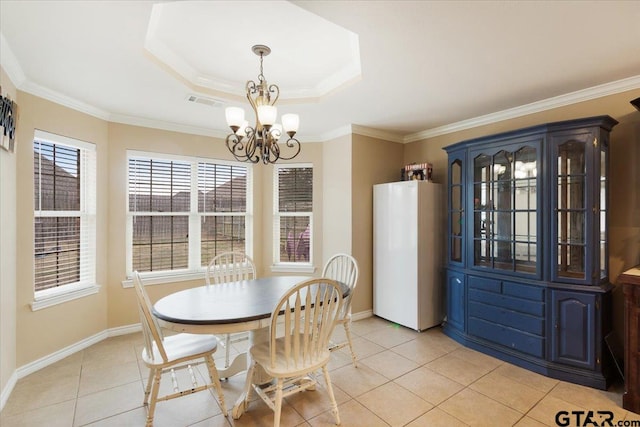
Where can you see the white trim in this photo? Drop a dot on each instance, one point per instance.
(8, 388)
(56, 356)
(62, 294)
(165, 277)
(534, 107)
(375, 133)
(169, 126)
(10, 63)
(345, 130)
(124, 330)
(54, 138)
(361, 315)
(64, 100)
(293, 268)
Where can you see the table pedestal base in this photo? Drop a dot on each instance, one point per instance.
(259, 376)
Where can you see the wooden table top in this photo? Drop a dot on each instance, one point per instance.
(226, 303)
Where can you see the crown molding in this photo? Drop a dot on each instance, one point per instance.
(10, 64)
(376, 133)
(169, 126)
(594, 92)
(64, 100)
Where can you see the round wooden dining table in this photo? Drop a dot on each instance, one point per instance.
(223, 308)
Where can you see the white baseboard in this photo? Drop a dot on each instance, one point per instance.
(6, 391)
(361, 315)
(52, 358)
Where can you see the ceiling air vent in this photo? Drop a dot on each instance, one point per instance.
(198, 99)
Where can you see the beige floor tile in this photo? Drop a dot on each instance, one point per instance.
(420, 351)
(135, 417)
(529, 378)
(103, 404)
(312, 403)
(547, 409)
(95, 379)
(356, 381)
(391, 336)
(436, 338)
(109, 355)
(632, 416)
(390, 364)
(339, 359)
(352, 414)
(30, 394)
(457, 369)
(186, 410)
(589, 398)
(475, 357)
(400, 405)
(370, 324)
(508, 392)
(436, 418)
(529, 422)
(217, 421)
(57, 415)
(477, 409)
(363, 348)
(260, 415)
(429, 385)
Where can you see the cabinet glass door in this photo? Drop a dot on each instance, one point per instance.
(571, 210)
(456, 212)
(604, 250)
(505, 220)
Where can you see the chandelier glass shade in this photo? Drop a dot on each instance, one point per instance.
(261, 141)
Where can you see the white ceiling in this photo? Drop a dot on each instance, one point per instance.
(404, 68)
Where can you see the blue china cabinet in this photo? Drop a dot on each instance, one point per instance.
(527, 267)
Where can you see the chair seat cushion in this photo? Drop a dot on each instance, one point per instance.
(182, 346)
(283, 367)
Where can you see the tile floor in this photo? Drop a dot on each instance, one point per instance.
(404, 378)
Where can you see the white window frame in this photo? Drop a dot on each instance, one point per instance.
(280, 266)
(194, 271)
(88, 189)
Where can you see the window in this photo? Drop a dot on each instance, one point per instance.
(184, 211)
(293, 215)
(64, 214)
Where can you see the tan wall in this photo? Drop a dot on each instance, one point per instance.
(7, 250)
(42, 332)
(374, 161)
(337, 192)
(624, 223)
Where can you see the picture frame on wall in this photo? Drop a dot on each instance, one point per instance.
(8, 122)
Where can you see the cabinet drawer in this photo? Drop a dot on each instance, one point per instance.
(533, 308)
(507, 317)
(489, 285)
(533, 293)
(508, 337)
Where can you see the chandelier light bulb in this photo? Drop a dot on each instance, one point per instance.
(235, 117)
(290, 123)
(267, 115)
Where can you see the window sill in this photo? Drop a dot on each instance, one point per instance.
(159, 279)
(55, 296)
(293, 268)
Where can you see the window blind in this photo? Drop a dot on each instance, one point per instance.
(294, 192)
(65, 211)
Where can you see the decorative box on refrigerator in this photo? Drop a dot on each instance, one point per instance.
(407, 253)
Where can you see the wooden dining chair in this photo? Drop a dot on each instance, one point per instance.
(230, 267)
(344, 269)
(301, 326)
(175, 352)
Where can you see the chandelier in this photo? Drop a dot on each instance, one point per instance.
(253, 144)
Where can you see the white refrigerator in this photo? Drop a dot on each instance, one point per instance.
(408, 253)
